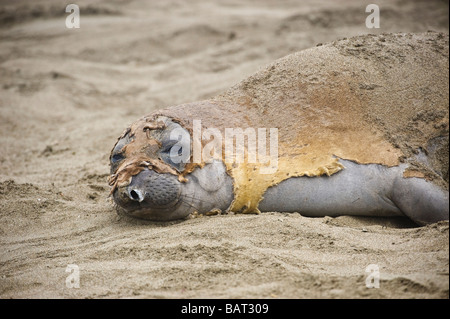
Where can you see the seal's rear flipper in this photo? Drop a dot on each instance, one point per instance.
(420, 200)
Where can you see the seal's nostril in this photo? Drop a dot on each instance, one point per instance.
(136, 195)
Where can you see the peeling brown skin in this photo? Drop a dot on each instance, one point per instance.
(141, 153)
(356, 99)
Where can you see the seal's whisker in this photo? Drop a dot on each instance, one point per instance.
(200, 200)
(189, 204)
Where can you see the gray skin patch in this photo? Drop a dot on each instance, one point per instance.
(359, 190)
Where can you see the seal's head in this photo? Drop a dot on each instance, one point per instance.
(146, 175)
(149, 167)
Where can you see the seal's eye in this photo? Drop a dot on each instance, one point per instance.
(175, 148)
(172, 154)
(168, 146)
(118, 152)
(117, 158)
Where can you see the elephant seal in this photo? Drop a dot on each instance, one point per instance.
(361, 129)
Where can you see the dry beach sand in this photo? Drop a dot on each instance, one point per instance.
(67, 94)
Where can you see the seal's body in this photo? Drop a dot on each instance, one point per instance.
(362, 129)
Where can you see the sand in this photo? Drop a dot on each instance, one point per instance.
(67, 94)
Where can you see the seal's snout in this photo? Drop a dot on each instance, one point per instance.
(153, 189)
(150, 195)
